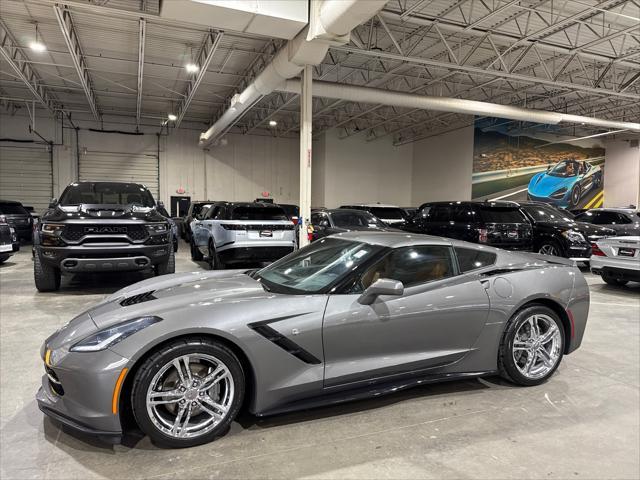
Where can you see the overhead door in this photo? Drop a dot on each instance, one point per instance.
(26, 175)
(119, 167)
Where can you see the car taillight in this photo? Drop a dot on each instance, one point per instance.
(482, 235)
(294, 220)
(233, 226)
(595, 250)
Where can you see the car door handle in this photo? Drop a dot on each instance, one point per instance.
(485, 284)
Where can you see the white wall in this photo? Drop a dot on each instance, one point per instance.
(357, 171)
(442, 167)
(621, 174)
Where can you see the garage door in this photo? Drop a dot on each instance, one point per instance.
(26, 175)
(117, 167)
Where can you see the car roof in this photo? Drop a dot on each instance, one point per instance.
(10, 202)
(75, 184)
(614, 209)
(343, 210)
(486, 203)
(371, 205)
(251, 204)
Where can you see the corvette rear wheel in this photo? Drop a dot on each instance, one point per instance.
(188, 393)
(532, 346)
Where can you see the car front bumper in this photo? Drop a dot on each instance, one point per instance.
(103, 257)
(557, 202)
(84, 399)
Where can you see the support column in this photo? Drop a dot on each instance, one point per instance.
(305, 153)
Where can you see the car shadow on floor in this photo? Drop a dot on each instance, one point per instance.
(100, 283)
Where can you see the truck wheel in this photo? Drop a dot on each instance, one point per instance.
(196, 254)
(47, 278)
(167, 267)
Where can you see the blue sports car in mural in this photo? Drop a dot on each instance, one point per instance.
(565, 184)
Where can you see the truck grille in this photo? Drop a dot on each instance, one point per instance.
(75, 232)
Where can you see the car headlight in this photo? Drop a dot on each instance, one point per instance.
(108, 337)
(52, 228)
(573, 236)
(559, 193)
(157, 227)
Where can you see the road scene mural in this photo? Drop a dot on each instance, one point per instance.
(521, 167)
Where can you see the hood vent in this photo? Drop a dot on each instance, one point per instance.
(140, 298)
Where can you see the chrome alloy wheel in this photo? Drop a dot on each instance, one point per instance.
(548, 249)
(537, 346)
(190, 395)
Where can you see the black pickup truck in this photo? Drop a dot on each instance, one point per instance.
(98, 227)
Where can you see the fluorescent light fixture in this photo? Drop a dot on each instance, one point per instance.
(272, 123)
(172, 117)
(37, 46)
(192, 67)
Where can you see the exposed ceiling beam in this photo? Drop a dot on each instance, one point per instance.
(207, 52)
(71, 39)
(142, 32)
(13, 55)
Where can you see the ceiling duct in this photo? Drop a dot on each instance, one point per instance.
(330, 24)
(352, 93)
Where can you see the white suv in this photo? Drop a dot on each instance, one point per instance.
(242, 232)
(616, 259)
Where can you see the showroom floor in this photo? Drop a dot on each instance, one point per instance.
(584, 423)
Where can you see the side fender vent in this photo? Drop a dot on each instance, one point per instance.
(142, 297)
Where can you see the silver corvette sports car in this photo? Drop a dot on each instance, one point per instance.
(349, 316)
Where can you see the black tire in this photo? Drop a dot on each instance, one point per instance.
(506, 363)
(214, 260)
(547, 246)
(574, 198)
(168, 266)
(155, 362)
(616, 282)
(47, 278)
(196, 254)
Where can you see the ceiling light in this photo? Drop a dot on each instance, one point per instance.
(37, 46)
(272, 123)
(172, 117)
(192, 67)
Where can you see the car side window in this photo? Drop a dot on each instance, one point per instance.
(441, 213)
(471, 259)
(411, 266)
(213, 212)
(424, 212)
(461, 214)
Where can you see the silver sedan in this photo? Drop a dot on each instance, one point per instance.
(347, 317)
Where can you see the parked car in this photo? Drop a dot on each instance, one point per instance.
(236, 232)
(174, 226)
(565, 184)
(195, 208)
(499, 224)
(292, 211)
(625, 221)
(556, 233)
(17, 217)
(330, 222)
(617, 259)
(101, 226)
(9, 243)
(389, 214)
(347, 317)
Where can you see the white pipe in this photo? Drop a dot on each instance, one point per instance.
(336, 19)
(353, 93)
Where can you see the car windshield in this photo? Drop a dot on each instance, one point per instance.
(106, 193)
(258, 213)
(566, 168)
(350, 219)
(315, 268)
(388, 213)
(545, 213)
(12, 209)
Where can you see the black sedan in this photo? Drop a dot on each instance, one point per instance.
(328, 222)
(555, 232)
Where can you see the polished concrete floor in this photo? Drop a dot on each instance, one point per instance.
(583, 423)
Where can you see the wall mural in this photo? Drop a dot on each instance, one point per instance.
(520, 167)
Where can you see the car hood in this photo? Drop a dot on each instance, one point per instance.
(591, 229)
(543, 184)
(165, 295)
(102, 212)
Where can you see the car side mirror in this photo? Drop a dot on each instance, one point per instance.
(383, 286)
(53, 203)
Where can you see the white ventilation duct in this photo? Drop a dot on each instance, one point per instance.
(352, 93)
(331, 22)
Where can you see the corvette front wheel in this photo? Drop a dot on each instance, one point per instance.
(575, 196)
(188, 393)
